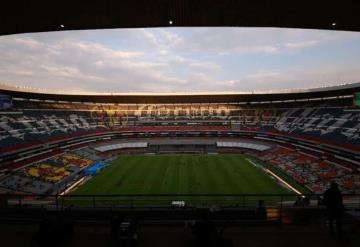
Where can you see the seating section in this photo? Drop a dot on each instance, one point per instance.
(246, 145)
(49, 176)
(312, 171)
(47, 172)
(32, 121)
(70, 160)
(105, 148)
(329, 123)
(17, 127)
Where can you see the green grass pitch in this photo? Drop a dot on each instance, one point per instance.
(181, 174)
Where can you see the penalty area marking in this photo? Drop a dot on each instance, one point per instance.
(276, 177)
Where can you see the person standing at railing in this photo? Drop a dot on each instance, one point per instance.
(334, 204)
(260, 210)
(299, 202)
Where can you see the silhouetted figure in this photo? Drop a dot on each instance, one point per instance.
(45, 232)
(204, 230)
(114, 226)
(124, 232)
(299, 202)
(334, 203)
(306, 201)
(260, 210)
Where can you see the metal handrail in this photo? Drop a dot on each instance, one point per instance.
(154, 199)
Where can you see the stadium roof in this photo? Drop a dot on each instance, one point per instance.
(316, 93)
(20, 16)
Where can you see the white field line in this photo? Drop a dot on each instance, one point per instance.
(277, 177)
(72, 186)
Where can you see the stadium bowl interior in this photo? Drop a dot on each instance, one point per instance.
(178, 169)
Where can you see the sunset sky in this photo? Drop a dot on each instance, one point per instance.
(180, 59)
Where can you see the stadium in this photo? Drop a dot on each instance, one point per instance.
(50, 145)
(284, 143)
(175, 168)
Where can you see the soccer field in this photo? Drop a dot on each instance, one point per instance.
(181, 174)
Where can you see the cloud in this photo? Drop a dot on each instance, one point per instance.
(301, 78)
(177, 59)
(79, 64)
(256, 40)
(205, 66)
(302, 44)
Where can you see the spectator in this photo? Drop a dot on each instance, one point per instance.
(334, 204)
(260, 210)
(299, 202)
(306, 201)
(114, 226)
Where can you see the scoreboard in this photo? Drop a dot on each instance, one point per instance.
(357, 99)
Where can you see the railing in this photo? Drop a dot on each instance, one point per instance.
(351, 201)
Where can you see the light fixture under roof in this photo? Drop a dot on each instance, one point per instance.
(62, 25)
(333, 24)
(170, 22)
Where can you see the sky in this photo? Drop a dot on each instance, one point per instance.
(173, 60)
